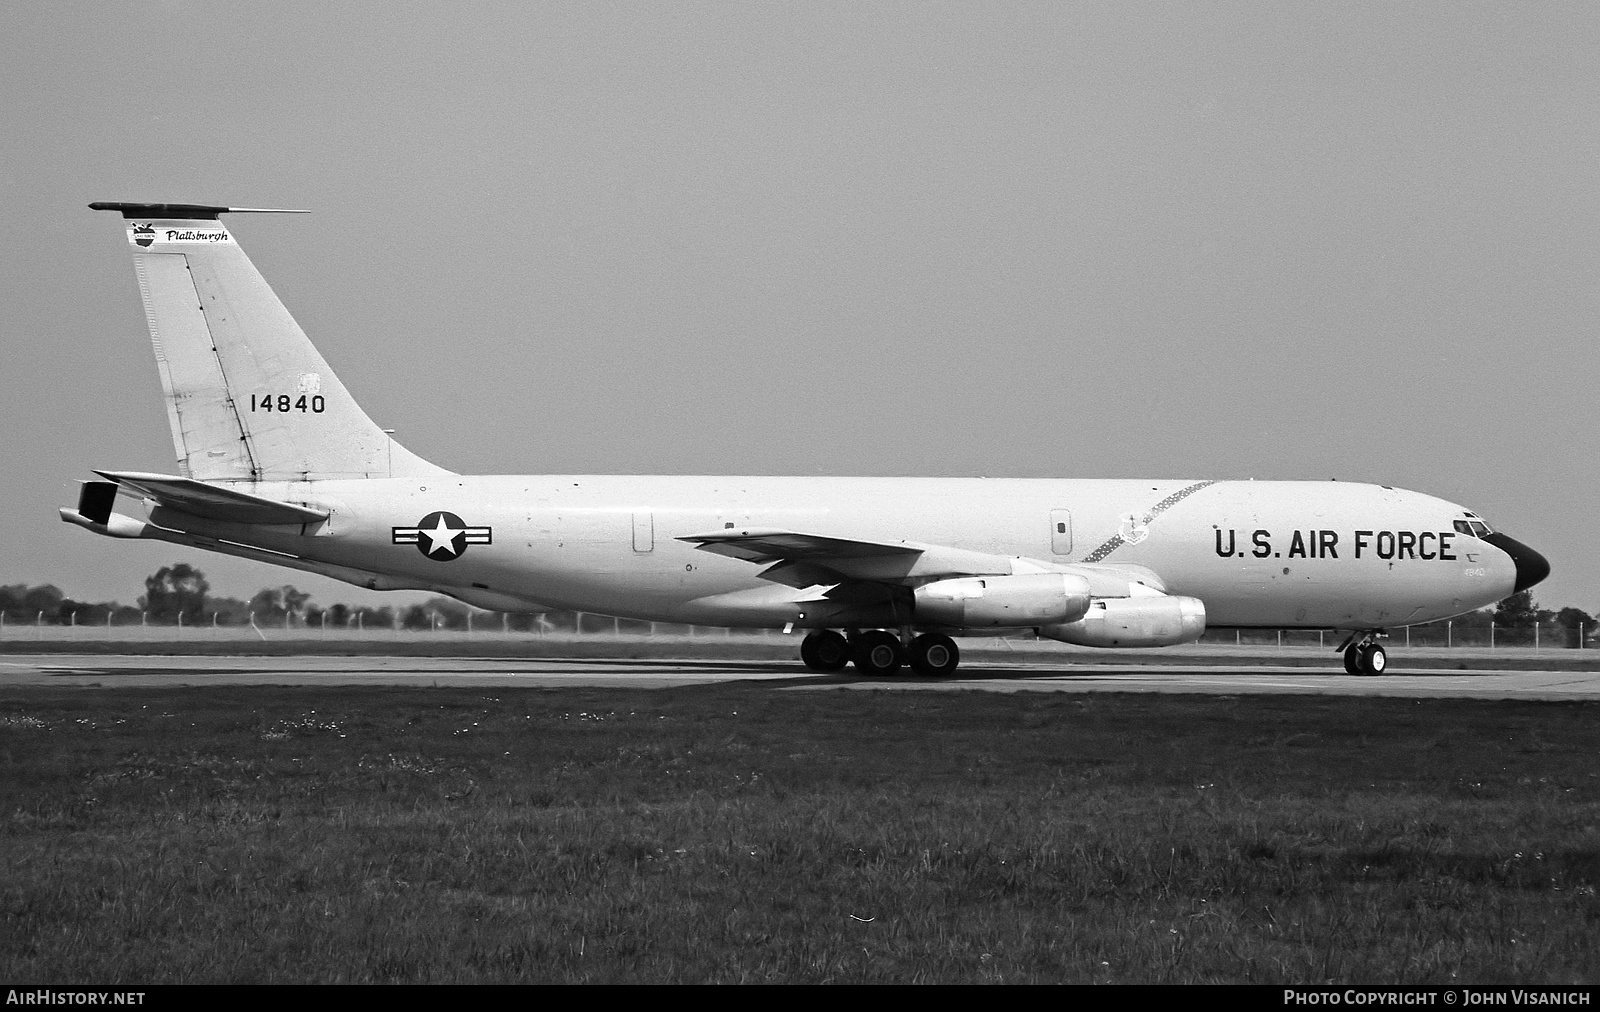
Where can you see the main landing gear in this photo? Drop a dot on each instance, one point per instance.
(825, 650)
(1364, 655)
(879, 653)
(934, 655)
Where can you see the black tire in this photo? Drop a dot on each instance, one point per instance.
(1352, 660)
(1374, 659)
(934, 655)
(825, 650)
(877, 653)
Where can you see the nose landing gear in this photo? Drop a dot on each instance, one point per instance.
(1364, 655)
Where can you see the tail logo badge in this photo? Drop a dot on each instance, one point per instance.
(442, 537)
(144, 234)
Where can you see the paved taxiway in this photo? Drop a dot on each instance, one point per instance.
(1021, 675)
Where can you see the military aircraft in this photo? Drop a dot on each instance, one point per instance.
(277, 463)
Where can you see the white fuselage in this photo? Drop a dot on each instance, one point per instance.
(1257, 553)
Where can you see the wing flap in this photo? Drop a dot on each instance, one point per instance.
(197, 498)
(801, 575)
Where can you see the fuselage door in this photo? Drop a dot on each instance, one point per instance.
(644, 532)
(1061, 532)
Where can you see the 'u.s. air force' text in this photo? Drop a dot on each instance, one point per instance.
(1430, 545)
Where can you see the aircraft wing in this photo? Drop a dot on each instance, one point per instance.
(200, 499)
(803, 560)
(775, 546)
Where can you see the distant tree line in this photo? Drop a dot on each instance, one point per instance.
(179, 595)
(1511, 623)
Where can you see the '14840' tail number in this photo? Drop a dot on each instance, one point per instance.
(284, 402)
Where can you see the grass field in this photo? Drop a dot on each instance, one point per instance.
(743, 833)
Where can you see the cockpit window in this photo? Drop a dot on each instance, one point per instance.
(1473, 527)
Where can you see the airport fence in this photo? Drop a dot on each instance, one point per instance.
(588, 627)
(483, 626)
(1543, 635)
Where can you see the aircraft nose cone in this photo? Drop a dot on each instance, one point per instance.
(1531, 566)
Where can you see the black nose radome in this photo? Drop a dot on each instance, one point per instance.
(1531, 566)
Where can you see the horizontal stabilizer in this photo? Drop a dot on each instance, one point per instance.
(213, 502)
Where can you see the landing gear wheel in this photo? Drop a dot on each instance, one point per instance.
(1374, 659)
(1352, 659)
(934, 655)
(825, 651)
(877, 653)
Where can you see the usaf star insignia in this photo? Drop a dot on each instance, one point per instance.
(442, 536)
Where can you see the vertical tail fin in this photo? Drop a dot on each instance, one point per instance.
(248, 396)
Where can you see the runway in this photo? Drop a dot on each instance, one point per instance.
(982, 675)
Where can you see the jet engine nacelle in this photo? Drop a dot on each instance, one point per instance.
(1027, 599)
(1134, 622)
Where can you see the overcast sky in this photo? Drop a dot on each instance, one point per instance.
(1079, 240)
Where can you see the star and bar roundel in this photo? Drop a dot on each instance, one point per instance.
(442, 536)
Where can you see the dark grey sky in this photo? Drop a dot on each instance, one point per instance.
(1257, 240)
